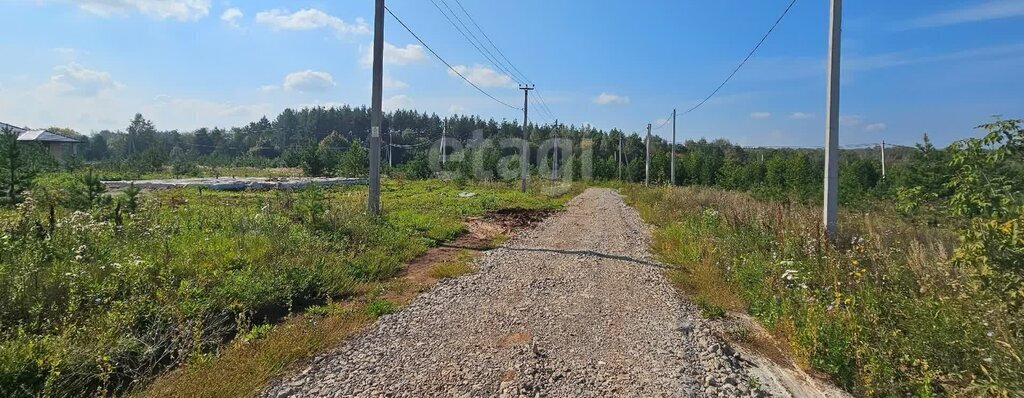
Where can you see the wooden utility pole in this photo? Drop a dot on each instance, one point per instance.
(377, 116)
(673, 162)
(647, 162)
(524, 162)
(831, 205)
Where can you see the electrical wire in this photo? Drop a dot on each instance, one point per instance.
(466, 35)
(521, 75)
(665, 122)
(436, 55)
(544, 106)
(751, 54)
(507, 67)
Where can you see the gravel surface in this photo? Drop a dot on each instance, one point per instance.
(572, 308)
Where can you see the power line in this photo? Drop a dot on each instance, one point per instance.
(490, 55)
(663, 123)
(751, 54)
(446, 62)
(521, 75)
(544, 106)
(466, 35)
(542, 116)
(507, 67)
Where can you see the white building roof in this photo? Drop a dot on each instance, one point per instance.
(44, 136)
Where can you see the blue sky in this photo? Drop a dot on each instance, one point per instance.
(911, 66)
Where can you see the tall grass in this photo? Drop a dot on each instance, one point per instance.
(883, 313)
(97, 302)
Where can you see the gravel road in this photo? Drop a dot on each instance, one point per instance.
(572, 308)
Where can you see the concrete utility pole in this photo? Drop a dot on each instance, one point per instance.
(554, 169)
(391, 146)
(830, 211)
(883, 159)
(620, 158)
(524, 162)
(444, 135)
(376, 117)
(673, 183)
(647, 162)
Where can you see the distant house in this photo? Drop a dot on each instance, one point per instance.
(17, 130)
(58, 145)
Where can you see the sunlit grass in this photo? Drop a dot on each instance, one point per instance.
(107, 299)
(882, 312)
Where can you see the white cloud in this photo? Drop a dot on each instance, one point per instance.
(393, 84)
(608, 99)
(851, 120)
(977, 12)
(401, 101)
(482, 76)
(75, 80)
(455, 109)
(309, 19)
(801, 116)
(394, 55)
(873, 127)
(760, 115)
(269, 88)
(182, 10)
(231, 16)
(308, 81)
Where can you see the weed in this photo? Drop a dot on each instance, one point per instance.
(380, 307)
(710, 310)
(753, 382)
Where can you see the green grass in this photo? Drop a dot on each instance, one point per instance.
(380, 307)
(883, 312)
(107, 300)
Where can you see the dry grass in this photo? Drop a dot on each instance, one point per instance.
(451, 269)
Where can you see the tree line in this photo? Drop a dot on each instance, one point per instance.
(331, 141)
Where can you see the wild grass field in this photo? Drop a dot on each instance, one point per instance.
(885, 312)
(100, 294)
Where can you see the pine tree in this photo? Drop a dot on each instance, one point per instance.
(15, 173)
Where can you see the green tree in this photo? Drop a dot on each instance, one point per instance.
(986, 187)
(355, 162)
(15, 172)
(313, 161)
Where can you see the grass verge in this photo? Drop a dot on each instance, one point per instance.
(99, 298)
(882, 313)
